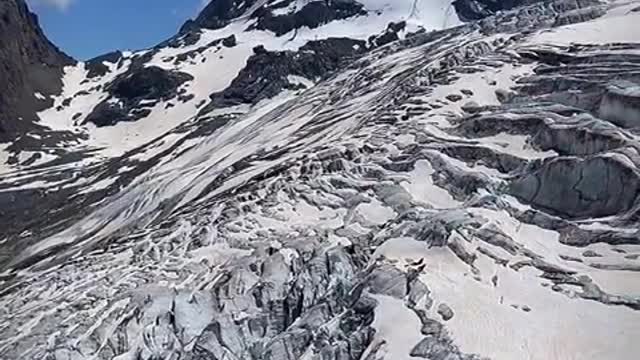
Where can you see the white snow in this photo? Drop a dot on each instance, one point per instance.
(485, 322)
(4, 157)
(405, 139)
(478, 82)
(430, 14)
(619, 26)
(375, 213)
(517, 145)
(99, 185)
(72, 84)
(294, 79)
(396, 325)
(557, 327)
(298, 215)
(335, 240)
(422, 188)
(216, 67)
(217, 253)
(158, 146)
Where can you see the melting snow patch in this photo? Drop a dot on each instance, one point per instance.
(217, 253)
(516, 145)
(422, 188)
(396, 325)
(299, 80)
(375, 213)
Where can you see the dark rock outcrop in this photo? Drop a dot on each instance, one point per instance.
(471, 10)
(218, 14)
(30, 64)
(96, 66)
(130, 89)
(311, 15)
(266, 72)
(389, 35)
(148, 83)
(228, 42)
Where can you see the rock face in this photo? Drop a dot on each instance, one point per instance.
(30, 65)
(131, 92)
(96, 66)
(390, 34)
(311, 15)
(469, 10)
(217, 14)
(279, 17)
(267, 73)
(148, 83)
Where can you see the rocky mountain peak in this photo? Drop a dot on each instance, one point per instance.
(31, 68)
(218, 13)
(279, 16)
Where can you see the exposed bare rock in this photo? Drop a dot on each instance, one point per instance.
(30, 65)
(266, 73)
(130, 91)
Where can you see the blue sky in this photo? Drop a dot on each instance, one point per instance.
(87, 28)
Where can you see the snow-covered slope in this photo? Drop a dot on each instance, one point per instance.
(213, 66)
(465, 193)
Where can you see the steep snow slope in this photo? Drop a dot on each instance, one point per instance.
(468, 193)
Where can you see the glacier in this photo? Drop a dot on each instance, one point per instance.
(394, 184)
